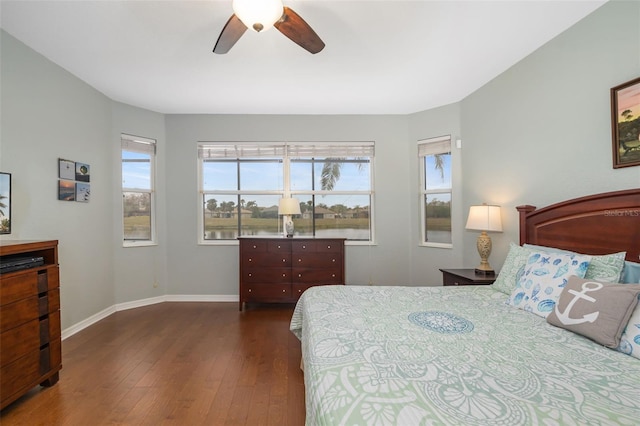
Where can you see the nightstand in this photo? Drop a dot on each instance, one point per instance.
(465, 277)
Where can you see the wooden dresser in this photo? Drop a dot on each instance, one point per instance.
(276, 270)
(29, 320)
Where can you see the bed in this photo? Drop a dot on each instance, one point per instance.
(397, 355)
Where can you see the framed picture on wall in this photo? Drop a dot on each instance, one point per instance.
(5, 203)
(66, 190)
(66, 169)
(82, 172)
(83, 191)
(625, 124)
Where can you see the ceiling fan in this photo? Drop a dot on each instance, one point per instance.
(260, 15)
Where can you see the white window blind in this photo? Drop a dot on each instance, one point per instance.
(138, 144)
(324, 150)
(434, 146)
(297, 150)
(214, 150)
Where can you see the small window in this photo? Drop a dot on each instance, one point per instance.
(138, 212)
(435, 191)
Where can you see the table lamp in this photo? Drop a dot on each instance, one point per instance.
(485, 219)
(286, 208)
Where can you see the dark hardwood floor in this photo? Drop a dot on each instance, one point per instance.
(175, 363)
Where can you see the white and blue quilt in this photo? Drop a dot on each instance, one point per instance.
(452, 356)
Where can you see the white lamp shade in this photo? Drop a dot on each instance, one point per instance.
(258, 15)
(484, 218)
(289, 206)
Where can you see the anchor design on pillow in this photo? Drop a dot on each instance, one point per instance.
(586, 288)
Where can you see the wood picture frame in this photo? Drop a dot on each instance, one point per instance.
(5, 203)
(625, 124)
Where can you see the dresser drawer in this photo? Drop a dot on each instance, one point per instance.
(316, 246)
(16, 286)
(266, 259)
(317, 260)
(266, 275)
(17, 313)
(267, 292)
(317, 276)
(21, 374)
(19, 341)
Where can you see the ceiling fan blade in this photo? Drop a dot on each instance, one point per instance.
(298, 31)
(231, 33)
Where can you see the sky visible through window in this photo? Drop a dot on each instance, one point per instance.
(136, 170)
(434, 178)
(268, 176)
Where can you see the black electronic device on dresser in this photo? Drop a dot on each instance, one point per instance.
(278, 270)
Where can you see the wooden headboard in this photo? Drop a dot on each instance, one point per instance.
(596, 224)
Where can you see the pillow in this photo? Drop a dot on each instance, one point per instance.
(606, 268)
(511, 269)
(599, 311)
(631, 273)
(630, 339)
(543, 279)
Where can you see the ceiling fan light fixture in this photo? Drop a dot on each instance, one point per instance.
(258, 15)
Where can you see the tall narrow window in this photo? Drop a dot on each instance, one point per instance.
(241, 184)
(138, 169)
(435, 191)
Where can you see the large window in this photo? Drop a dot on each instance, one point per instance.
(138, 166)
(435, 191)
(241, 184)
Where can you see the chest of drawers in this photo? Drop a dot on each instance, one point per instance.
(29, 321)
(278, 270)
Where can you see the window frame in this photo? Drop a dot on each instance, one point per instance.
(286, 153)
(133, 143)
(442, 145)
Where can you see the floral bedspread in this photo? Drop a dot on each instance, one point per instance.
(452, 356)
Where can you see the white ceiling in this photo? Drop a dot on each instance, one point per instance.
(381, 57)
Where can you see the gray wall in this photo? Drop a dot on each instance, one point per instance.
(537, 134)
(213, 270)
(540, 133)
(47, 114)
(139, 272)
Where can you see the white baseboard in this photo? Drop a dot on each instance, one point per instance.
(70, 331)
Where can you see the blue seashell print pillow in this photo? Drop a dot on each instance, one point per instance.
(630, 339)
(545, 275)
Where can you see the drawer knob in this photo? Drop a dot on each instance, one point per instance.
(299, 260)
(249, 290)
(278, 246)
(299, 275)
(250, 275)
(299, 291)
(333, 260)
(333, 275)
(328, 247)
(284, 275)
(250, 259)
(304, 247)
(284, 260)
(284, 291)
(255, 247)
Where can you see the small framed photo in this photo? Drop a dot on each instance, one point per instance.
(66, 190)
(83, 191)
(82, 172)
(67, 169)
(5, 203)
(625, 124)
